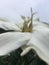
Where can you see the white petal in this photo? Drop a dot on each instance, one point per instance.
(12, 40)
(9, 26)
(26, 50)
(40, 43)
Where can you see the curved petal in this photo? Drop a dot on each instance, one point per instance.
(9, 26)
(40, 43)
(12, 40)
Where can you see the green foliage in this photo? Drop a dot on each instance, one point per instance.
(14, 58)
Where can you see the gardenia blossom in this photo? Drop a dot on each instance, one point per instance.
(37, 40)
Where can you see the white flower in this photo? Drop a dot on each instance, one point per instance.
(37, 40)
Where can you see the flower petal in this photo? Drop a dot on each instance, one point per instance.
(12, 40)
(9, 26)
(40, 43)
